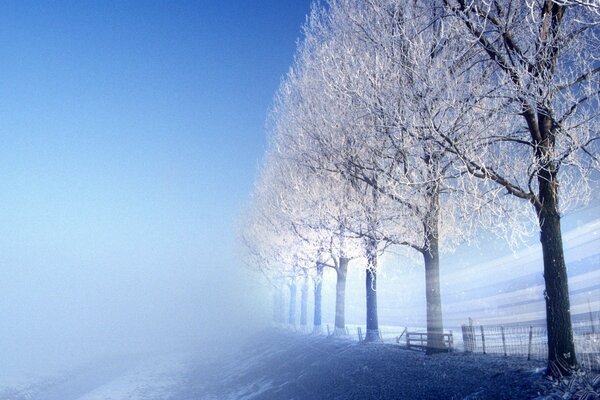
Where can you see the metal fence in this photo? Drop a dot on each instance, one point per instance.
(530, 342)
(510, 340)
(587, 345)
(527, 341)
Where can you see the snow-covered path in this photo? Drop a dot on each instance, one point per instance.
(81, 382)
(150, 378)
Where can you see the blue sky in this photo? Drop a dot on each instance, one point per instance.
(130, 134)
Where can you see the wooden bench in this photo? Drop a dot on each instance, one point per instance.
(418, 341)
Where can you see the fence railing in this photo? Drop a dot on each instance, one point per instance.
(420, 340)
(525, 341)
(530, 342)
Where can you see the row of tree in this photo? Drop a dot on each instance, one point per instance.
(419, 124)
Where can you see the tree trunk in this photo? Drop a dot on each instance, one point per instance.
(292, 311)
(431, 258)
(317, 310)
(281, 294)
(561, 348)
(275, 307)
(372, 334)
(435, 325)
(340, 297)
(304, 302)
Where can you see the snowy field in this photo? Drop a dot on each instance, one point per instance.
(284, 365)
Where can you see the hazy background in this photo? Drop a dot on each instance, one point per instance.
(129, 138)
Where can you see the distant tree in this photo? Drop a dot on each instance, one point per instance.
(271, 243)
(318, 201)
(318, 303)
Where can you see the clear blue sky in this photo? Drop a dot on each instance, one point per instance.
(130, 134)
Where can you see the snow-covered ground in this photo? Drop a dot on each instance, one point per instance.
(26, 386)
(278, 364)
(147, 378)
(284, 365)
(156, 378)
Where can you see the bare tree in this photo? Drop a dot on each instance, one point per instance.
(541, 60)
(311, 132)
(272, 244)
(367, 51)
(319, 218)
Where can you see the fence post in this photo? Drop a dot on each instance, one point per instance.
(451, 342)
(529, 347)
(465, 337)
(407, 340)
(347, 331)
(360, 337)
(328, 332)
(469, 336)
(398, 337)
(482, 339)
(503, 340)
(591, 317)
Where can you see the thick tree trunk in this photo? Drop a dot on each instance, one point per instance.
(340, 297)
(372, 334)
(304, 302)
(435, 325)
(317, 310)
(431, 258)
(561, 348)
(292, 310)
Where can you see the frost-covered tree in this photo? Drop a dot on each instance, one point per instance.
(540, 111)
(272, 242)
(317, 206)
(410, 122)
(307, 126)
(377, 67)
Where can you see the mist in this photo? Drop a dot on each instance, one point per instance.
(67, 312)
(130, 137)
(91, 269)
